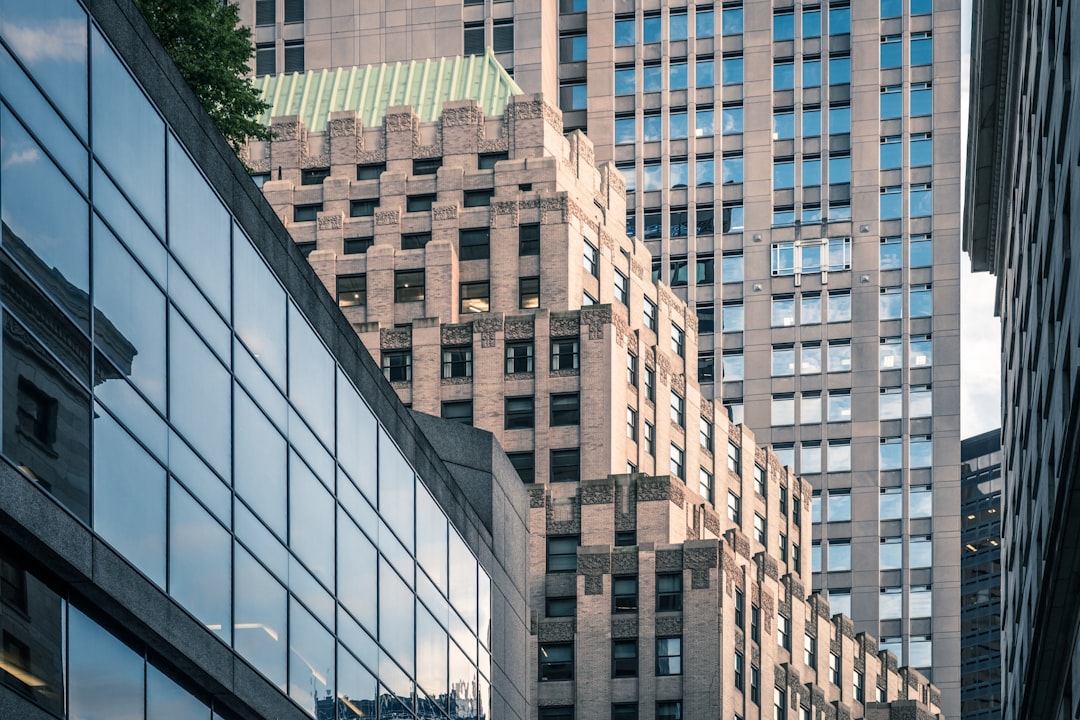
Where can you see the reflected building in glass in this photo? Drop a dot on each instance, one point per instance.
(212, 505)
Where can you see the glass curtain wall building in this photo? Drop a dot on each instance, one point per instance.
(981, 614)
(194, 444)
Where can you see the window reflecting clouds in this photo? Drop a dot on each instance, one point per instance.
(259, 627)
(200, 563)
(105, 676)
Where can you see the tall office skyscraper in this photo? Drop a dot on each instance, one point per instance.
(793, 168)
(980, 507)
(1023, 191)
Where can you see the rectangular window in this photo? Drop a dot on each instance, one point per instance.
(502, 35)
(475, 297)
(678, 406)
(351, 290)
(631, 369)
(566, 465)
(370, 171)
(294, 56)
(426, 166)
(556, 661)
(669, 656)
(648, 436)
(755, 684)
(565, 409)
(419, 203)
(669, 710)
(519, 357)
(529, 292)
(528, 240)
(474, 244)
(834, 668)
(415, 241)
(810, 651)
(314, 176)
(357, 245)
(678, 462)
(783, 632)
(734, 458)
(650, 384)
(397, 365)
(592, 260)
(624, 658)
(477, 198)
(734, 510)
(562, 554)
(740, 670)
(624, 711)
(622, 288)
(564, 353)
(624, 594)
(486, 161)
(631, 423)
(525, 464)
(306, 213)
(408, 285)
(560, 607)
(760, 532)
(519, 413)
(459, 411)
(457, 362)
(294, 11)
(649, 314)
(265, 12)
(669, 592)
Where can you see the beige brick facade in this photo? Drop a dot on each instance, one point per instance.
(737, 522)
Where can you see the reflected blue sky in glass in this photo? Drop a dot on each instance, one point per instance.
(105, 677)
(129, 497)
(259, 626)
(165, 700)
(41, 238)
(50, 39)
(200, 564)
(129, 136)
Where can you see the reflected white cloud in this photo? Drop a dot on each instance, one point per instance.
(63, 40)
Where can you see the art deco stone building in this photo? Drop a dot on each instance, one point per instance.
(662, 535)
(1023, 193)
(793, 169)
(981, 615)
(212, 505)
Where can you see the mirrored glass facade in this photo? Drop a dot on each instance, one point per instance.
(164, 387)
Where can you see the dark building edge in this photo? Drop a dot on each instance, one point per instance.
(36, 530)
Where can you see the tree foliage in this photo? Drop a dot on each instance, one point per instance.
(212, 50)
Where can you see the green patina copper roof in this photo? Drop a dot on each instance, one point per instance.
(371, 89)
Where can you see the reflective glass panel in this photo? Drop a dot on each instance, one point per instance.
(129, 498)
(261, 462)
(199, 227)
(199, 394)
(431, 654)
(259, 304)
(50, 39)
(356, 584)
(129, 136)
(311, 377)
(200, 564)
(165, 700)
(311, 659)
(53, 247)
(259, 626)
(105, 677)
(396, 482)
(311, 521)
(395, 616)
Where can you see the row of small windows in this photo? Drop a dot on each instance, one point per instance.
(920, 554)
(457, 362)
(811, 256)
(665, 710)
(266, 11)
(838, 169)
(678, 173)
(678, 74)
(556, 661)
(838, 72)
(654, 129)
(410, 286)
(837, 504)
(838, 116)
(679, 222)
(920, 201)
(839, 23)
(678, 26)
(835, 406)
(473, 243)
(920, 50)
(502, 37)
(835, 454)
(837, 357)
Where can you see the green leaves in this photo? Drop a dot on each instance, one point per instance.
(212, 50)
